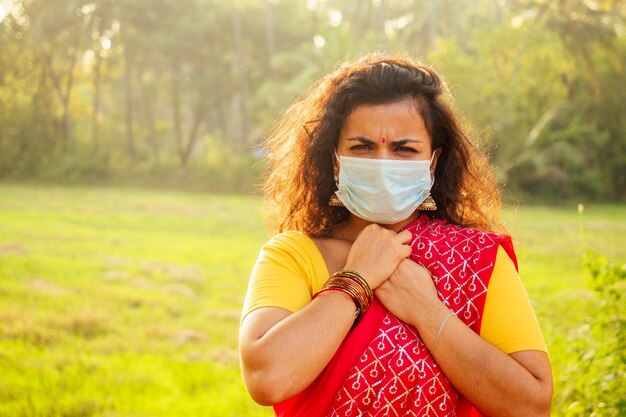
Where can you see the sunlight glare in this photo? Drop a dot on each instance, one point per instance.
(105, 43)
(335, 18)
(5, 9)
(88, 8)
(397, 24)
(319, 41)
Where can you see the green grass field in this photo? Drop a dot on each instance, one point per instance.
(121, 302)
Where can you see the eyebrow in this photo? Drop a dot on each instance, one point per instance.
(399, 142)
(405, 141)
(362, 139)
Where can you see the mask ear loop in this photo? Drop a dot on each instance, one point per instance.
(334, 200)
(336, 174)
(430, 164)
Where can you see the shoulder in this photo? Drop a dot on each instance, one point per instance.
(287, 238)
(291, 242)
(509, 321)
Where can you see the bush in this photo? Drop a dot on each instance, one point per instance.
(596, 378)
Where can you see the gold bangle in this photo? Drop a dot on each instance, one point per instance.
(355, 290)
(358, 278)
(352, 288)
(355, 286)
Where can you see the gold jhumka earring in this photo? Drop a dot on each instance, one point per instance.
(428, 204)
(334, 201)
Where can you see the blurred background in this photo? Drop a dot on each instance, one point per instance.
(130, 155)
(162, 91)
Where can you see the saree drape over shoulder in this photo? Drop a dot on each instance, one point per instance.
(383, 368)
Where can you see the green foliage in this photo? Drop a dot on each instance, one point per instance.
(89, 90)
(599, 343)
(563, 162)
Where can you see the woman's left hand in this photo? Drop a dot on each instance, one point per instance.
(409, 292)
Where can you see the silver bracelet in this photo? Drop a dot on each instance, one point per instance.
(441, 326)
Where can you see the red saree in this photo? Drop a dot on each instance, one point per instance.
(383, 368)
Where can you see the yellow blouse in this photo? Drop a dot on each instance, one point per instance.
(290, 269)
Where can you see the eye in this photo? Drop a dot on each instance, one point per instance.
(405, 149)
(362, 146)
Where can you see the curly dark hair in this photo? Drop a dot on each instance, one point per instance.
(302, 146)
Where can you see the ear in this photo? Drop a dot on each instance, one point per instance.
(433, 164)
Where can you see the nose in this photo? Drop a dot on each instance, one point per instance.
(383, 152)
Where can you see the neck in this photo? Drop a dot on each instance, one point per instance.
(353, 226)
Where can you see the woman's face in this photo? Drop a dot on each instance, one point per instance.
(386, 131)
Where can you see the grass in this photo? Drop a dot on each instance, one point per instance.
(121, 302)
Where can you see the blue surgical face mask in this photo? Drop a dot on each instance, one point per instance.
(383, 191)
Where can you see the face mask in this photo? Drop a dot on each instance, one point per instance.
(383, 191)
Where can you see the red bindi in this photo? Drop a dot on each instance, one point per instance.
(382, 140)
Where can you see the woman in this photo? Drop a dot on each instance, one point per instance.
(374, 184)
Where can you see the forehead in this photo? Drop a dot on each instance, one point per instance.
(393, 120)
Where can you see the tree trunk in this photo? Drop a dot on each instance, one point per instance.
(433, 25)
(128, 87)
(383, 19)
(368, 15)
(193, 134)
(269, 38)
(67, 120)
(63, 94)
(589, 69)
(222, 121)
(95, 141)
(35, 112)
(153, 140)
(497, 11)
(244, 90)
(314, 22)
(219, 105)
(178, 128)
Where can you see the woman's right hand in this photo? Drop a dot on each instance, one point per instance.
(377, 252)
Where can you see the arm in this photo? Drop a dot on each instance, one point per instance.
(283, 352)
(496, 383)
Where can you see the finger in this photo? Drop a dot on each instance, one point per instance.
(404, 236)
(405, 251)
